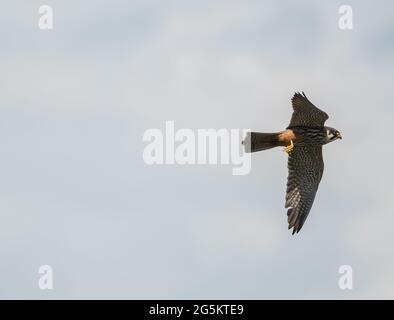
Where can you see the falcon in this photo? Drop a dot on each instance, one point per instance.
(303, 140)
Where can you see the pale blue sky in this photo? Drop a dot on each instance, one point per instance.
(75, 193)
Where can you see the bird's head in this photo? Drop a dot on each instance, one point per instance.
(332, 134)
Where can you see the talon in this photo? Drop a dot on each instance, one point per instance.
(289, 148)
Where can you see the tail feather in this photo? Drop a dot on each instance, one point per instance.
(257, 141)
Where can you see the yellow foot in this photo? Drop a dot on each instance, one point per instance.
(289, 148)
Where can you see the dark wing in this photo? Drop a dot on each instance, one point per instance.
(306, 167)
(305, 113)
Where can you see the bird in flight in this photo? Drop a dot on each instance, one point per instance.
(303, 140)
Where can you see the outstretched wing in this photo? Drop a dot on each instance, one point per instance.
(306, 167)
(305, 113)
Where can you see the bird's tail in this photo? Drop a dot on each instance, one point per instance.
(257, 141)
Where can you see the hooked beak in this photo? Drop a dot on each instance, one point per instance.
(339, 136)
